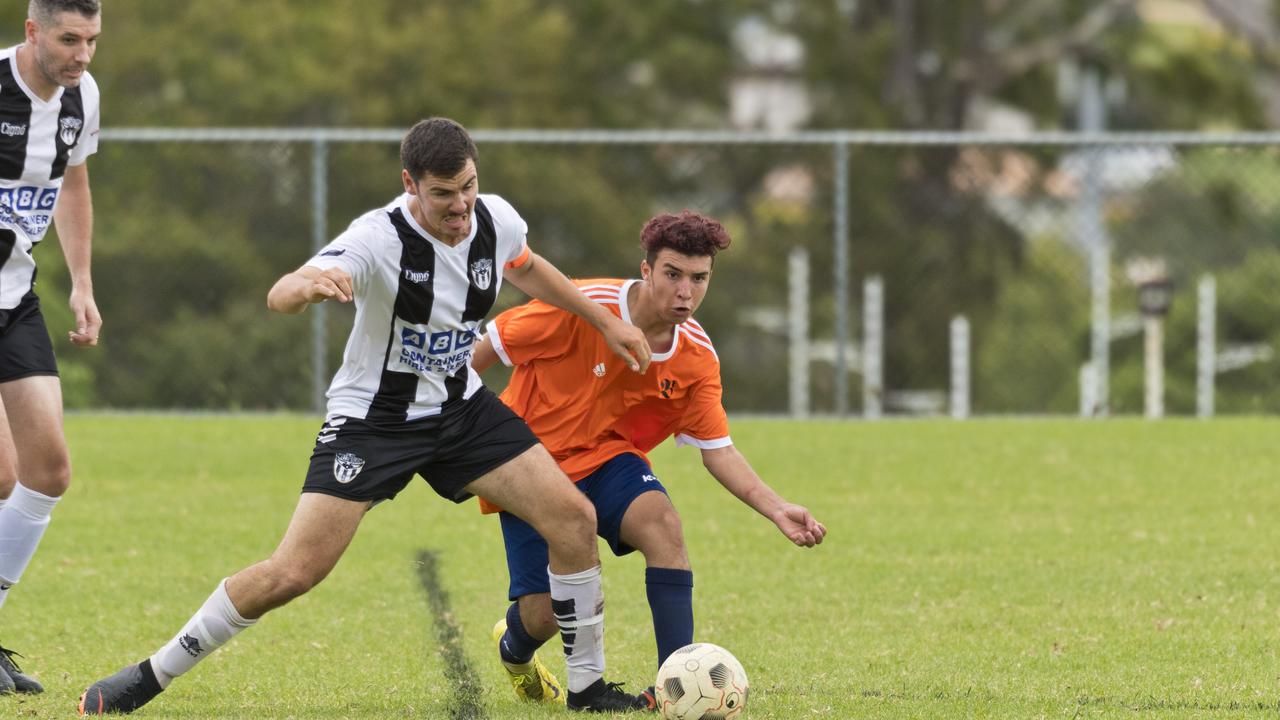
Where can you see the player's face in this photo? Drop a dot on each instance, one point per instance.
(442, 206)
(64, 48)
(678, 283)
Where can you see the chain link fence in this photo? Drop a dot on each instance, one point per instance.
(1031, 240)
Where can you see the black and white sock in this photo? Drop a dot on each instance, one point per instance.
(578, 603)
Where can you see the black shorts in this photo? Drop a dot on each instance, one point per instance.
(359, 460)
(25, 348)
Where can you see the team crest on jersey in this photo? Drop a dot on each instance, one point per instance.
(346, 466)
(482, 273)
(69, 129)
(599, 370)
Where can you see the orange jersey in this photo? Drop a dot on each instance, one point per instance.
(585, 404)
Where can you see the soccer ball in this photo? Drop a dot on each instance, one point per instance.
(701, 682)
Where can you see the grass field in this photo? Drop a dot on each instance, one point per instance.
(996, 568)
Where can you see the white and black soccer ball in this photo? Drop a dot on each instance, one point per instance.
(701, 682)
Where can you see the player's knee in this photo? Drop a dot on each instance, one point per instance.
(51, 478)
(662, 541)
(293, 582)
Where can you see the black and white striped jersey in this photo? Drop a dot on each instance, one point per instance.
(419, 306)
(38, 140)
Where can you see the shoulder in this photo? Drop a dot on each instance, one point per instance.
(698, 342)
(603, 291)
(499, 209)
(88, 88)
(372, 228)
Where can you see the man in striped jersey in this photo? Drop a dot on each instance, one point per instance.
(423, 272)
(48, 129)
(598, 421)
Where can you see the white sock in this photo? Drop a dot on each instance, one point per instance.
(22, 522)
(578, 603)
(216, 622)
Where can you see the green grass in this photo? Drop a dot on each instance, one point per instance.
(1000, 568)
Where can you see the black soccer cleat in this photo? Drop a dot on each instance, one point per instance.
(124, 692)
(649, 696)
(17, 680)
(602, 697)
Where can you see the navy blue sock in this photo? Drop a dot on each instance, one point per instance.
(671, 603)
(517, 646)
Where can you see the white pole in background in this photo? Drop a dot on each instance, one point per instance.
(1206, 349)
(1153, 355)
(960, 367)
(872, 347)
(1091, 118)
(798, 331)
(1088, 401)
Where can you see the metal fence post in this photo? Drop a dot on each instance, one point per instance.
(960, 367)
(1206, 350)
(798, 331)
(872, 347)
(319, 236)
(841, 290)
(1092, 119)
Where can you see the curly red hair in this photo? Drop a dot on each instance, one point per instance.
(687, 232)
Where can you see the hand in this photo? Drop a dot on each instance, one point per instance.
(629, 344)
(88, 321)
(799, 526)
(331, 284)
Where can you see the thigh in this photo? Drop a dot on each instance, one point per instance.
(616, 487)
(33, 412)
(8, 455)
(532, 487)
(526, 557)
(319, 532)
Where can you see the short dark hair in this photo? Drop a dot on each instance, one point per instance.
(43, 11)
(688, 233)
(438, 146)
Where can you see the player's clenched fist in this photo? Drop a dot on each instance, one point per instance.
(306, 285)
(331, 284)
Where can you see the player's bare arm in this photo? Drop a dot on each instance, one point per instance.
(73, 217)
(732, 470)
(483, 356)
(542, 280)
(307, 285)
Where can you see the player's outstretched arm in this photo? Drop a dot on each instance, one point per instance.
(542, 280)
(73, 216)
(293, 292)
(732, 470)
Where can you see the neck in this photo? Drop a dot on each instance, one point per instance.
(31, 74)
(644, 315)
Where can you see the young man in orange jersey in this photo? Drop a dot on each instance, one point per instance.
(598, 421)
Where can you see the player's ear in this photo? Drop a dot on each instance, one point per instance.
(409, 186)
(645, 269)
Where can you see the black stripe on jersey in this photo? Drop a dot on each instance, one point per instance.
(7, 240)
(70, 130)
(396, 390)
(481, 268)
(15, 124)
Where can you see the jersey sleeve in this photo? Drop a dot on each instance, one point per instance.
(705, 424)
(88, 142)
(532, 331)
(351, 251)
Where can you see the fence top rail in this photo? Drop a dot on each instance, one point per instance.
(699, 137)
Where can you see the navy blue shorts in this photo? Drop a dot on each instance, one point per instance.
(611, 488)
(25, 348)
